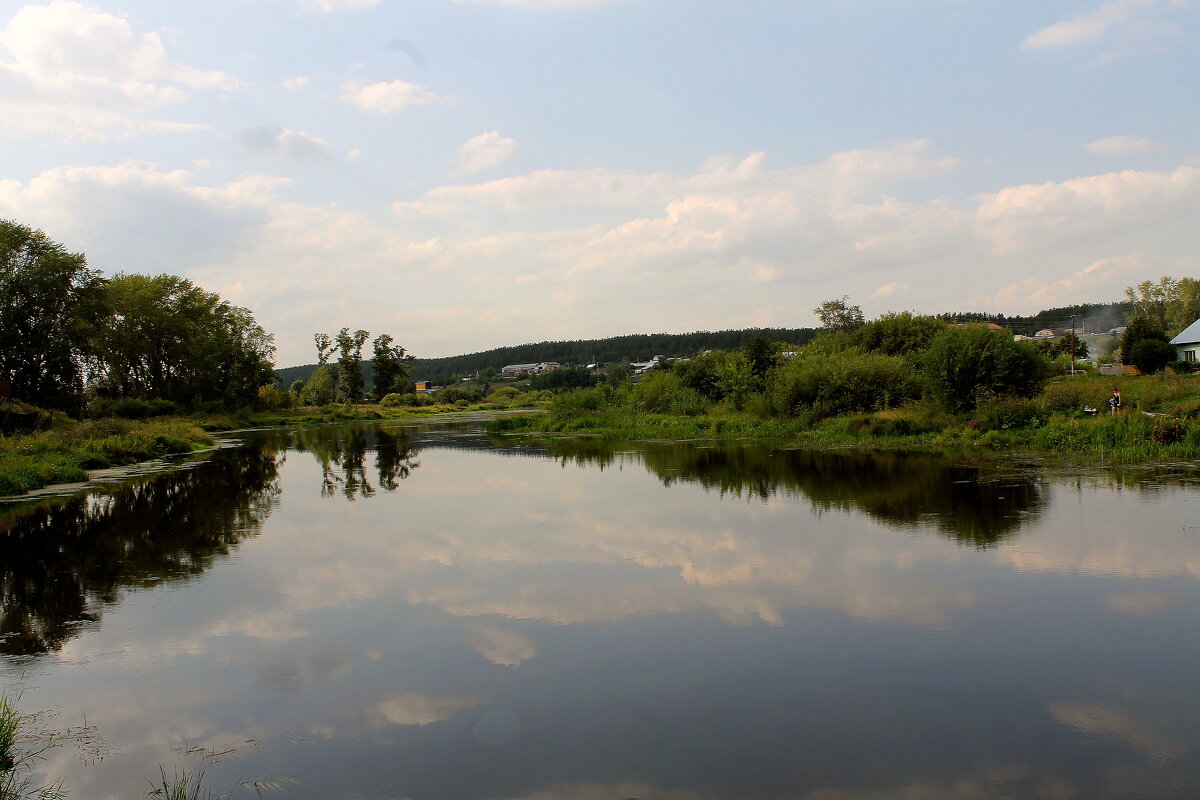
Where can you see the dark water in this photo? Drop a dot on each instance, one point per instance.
(394, 612)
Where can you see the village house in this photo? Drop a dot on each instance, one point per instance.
(1187, 343)
(517, 370)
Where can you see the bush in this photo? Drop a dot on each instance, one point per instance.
(392, 400)
(1150, 355)
(964, 365)
(1005, 413)
(452, 394)
(898, 334)
(270, 397)
(850, 382)
(131, 408)
(1072, 394)
(579, 403)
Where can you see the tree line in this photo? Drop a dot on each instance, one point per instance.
(346, 379)
(70, 337)
(616, 349)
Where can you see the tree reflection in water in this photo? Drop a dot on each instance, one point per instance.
(971, 504)
(64, 560)
(342, 452)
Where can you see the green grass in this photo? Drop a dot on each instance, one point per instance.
(17, 759)
(1160, 422)
(64, 455)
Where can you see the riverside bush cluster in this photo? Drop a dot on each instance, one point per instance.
(902, 381)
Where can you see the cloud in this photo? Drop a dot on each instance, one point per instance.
(296, 82)
(81, 73)
(580, 253)
(415, 708)
(1113, 723)
(1014, 217)
(1124, 146)
(1120, 16)
(288, 145)
(388, 97)
(543, 4)
(502, 646)
(484, 151)
(329, 6)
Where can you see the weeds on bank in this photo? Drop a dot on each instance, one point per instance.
(18, 757)
(63, 456)
(1160, 421)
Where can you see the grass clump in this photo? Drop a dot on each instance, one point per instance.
(35, 460)
(18, 757)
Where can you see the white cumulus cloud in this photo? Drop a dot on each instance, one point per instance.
(1123, 146)
(288, 145)
(388, 97)
(1124, 17)
(83, 73)
(485, 151)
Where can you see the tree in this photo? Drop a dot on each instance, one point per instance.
(1143, 327)
(839, 315)
(1069, 345)
(49, 303)
(164, 337)
(349, 365)
(901, 334)
(390, 366)
(324, 348)
(761, 357)
(1172, 304)
(1150, 355)
(319, 389)
(964, 364)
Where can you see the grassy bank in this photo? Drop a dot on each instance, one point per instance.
(1159, 422)
(64, 455)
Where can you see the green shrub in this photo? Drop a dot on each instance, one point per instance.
(1006, 413)
(391, 400)
(579, 403)
(1072, 394)
(1150, 355)
(966, 364)
(844, 384)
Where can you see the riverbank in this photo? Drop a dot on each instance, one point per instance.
(66, 453)
(71, 449)
(1158, 424)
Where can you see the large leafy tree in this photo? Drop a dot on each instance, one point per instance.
(839, 315)
(1171, 304)
(1144, 344)
(349, 364)
(390, 365)
(48, 307)
(165, 337)
(964, 364)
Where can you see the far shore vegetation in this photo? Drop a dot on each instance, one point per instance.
(99, 372)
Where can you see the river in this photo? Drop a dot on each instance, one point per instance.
(389, 611)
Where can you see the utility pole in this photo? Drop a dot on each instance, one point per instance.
(1072, 344)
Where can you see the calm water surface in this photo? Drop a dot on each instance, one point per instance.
(399, 612)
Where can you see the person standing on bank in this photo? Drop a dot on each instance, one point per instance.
(1114, 402)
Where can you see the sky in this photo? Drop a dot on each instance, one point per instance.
(469, 174)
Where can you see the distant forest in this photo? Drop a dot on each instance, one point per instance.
(621, 349)
(1092, 317)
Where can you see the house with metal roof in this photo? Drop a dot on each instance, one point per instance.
(1187, 343)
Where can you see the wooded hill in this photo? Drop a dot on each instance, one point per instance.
(622, 349)
(1095, 317)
